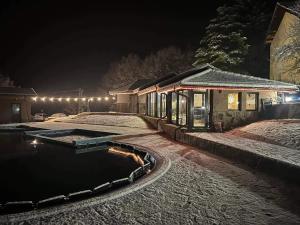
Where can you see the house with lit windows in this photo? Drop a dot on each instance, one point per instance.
(207, 98)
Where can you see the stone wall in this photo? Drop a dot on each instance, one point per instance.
(224, 119)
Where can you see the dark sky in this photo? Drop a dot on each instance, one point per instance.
(54, 45)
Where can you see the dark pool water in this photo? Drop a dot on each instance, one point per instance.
(31, 172)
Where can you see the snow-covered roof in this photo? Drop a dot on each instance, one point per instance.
(17, 91)
(210, 76)
(130, 88)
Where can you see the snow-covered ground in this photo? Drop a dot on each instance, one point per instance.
(107, 120)
(197, 189)
(282, 132)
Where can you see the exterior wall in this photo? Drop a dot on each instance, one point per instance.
(222, 118)
(122, 103)
(6, 108)
(142, 104)
(281, 70)
(126, 103)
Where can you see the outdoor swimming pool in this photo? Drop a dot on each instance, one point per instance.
(32, 171)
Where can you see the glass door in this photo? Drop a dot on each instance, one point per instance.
(200, 113)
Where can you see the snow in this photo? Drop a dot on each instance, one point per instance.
(282, 132)
(107, 120)
(198, 188)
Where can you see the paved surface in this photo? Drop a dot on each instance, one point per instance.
(197, 189)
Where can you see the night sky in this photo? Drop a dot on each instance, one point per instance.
(55, 45)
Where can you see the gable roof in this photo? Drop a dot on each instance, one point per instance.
(158, 81)
(214, 77)
(280, 9)
(17, 91)
(129, 88)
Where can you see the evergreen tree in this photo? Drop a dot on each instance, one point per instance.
(232, 39)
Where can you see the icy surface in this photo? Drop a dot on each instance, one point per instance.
(197, 189)
(284, 132)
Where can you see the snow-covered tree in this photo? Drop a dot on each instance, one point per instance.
(158, 64)
(5, 81)
(231, 39)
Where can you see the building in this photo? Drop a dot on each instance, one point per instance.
(127, 98)
(280, 35)
(208, 98)
(15, 104)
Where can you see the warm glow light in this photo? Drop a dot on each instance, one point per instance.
(67, 99)
(51, 99)
(43, 99)
(106, 98)
(83, 99)
(113, 98)
(91, 99)
(59, 99)
(34, 99)
(288, 99)
(99, 99)
(75, 99)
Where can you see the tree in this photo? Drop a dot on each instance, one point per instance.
(288, 54)
(231, 39)
(158, 64)
(5, 81)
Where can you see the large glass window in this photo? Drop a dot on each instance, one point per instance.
(251, 101)
(182, 110)
(163, 105)
(174, 108)
(158, 105)
(153, 103)
(233, 101)
(199, 110)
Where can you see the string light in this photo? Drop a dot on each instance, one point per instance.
(68, 99)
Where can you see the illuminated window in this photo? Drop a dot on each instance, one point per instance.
(199, 110)
(152, 103)
(233, 101)
(163, 105)
(251, 101)
(158, 105)
(182, 108)
(174, 107)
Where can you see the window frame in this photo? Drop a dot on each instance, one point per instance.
(256, 101)
(239, 101)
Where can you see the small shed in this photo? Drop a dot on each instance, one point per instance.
(15, 104)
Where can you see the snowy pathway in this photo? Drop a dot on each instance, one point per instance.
(197, 189)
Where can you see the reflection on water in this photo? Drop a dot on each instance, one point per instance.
(32, 170)
(120, 151)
